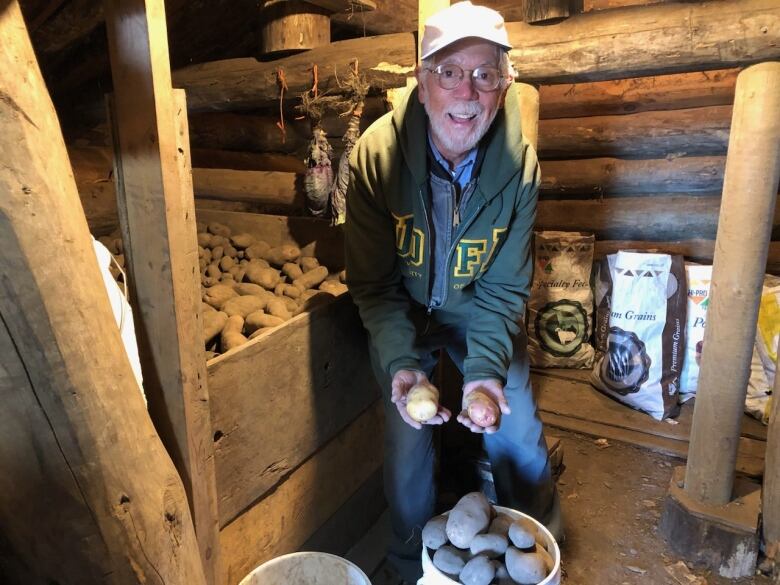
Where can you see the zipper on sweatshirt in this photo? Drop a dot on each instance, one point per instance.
(428, 295)
(462, 229)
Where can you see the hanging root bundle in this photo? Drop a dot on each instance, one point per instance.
(318, 179)
(358, 88)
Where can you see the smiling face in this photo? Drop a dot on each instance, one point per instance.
(460, 117)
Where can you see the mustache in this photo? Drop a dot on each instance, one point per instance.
(467, 109)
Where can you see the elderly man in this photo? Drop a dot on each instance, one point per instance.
(441, 208)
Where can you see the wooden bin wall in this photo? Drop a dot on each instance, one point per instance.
(297, 424)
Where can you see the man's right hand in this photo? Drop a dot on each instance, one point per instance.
(403, 380)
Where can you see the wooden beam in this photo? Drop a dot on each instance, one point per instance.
(616, 176)
(87, 493)
(536, 11)
(639, 94)
(691, 132)
(282, 521)
(647, 40)
(386, 61)
(528, 98)
(75, 20)
(158, 225)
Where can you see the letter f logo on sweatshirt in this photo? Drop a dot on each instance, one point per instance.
(409, 240)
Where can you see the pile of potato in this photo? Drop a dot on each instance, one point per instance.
(476, 545)
(250, 287)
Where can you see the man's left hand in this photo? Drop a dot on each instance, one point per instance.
(492, 388)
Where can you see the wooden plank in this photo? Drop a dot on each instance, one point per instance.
(700, 174)
(633, 218)
(315, 237)
(689, 132)
(302, 382)
(352, 520)
(261, 187)
(647, 40)
(87, 492)
(749, 461)
(158, 226)
(386, 61)
(639, 94)
(283, 520)
(576, 398)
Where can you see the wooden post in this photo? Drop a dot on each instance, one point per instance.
(747, 208)
(771, 496)
(290, 26)
(87, 493)
(528, 97)
(158, 223)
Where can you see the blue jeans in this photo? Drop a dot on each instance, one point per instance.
(517, 452)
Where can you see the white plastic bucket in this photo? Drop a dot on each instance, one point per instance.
(307, 568)
(433, 576)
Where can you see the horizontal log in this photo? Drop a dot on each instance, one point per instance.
(695, 131)
(259, 132)
(600, 45)
(695, 250)
(261, 187)
(282, 521)
(639, 94)
(647, 40)
(386, 61)
(645, 135)
(617, 176)
(650, 219)
(209, 158)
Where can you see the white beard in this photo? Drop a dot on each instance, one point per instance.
(454, 139)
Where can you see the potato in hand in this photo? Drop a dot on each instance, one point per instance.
(422, 401)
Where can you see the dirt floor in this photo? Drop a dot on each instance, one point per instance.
(612, 495)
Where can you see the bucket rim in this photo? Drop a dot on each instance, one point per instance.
(299, 554)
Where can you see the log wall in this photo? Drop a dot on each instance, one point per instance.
(638, 161)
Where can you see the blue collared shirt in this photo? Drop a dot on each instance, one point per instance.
(461, 174)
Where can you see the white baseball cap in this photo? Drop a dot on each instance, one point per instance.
(459, 21)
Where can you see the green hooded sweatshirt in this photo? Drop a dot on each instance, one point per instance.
(387, 235)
